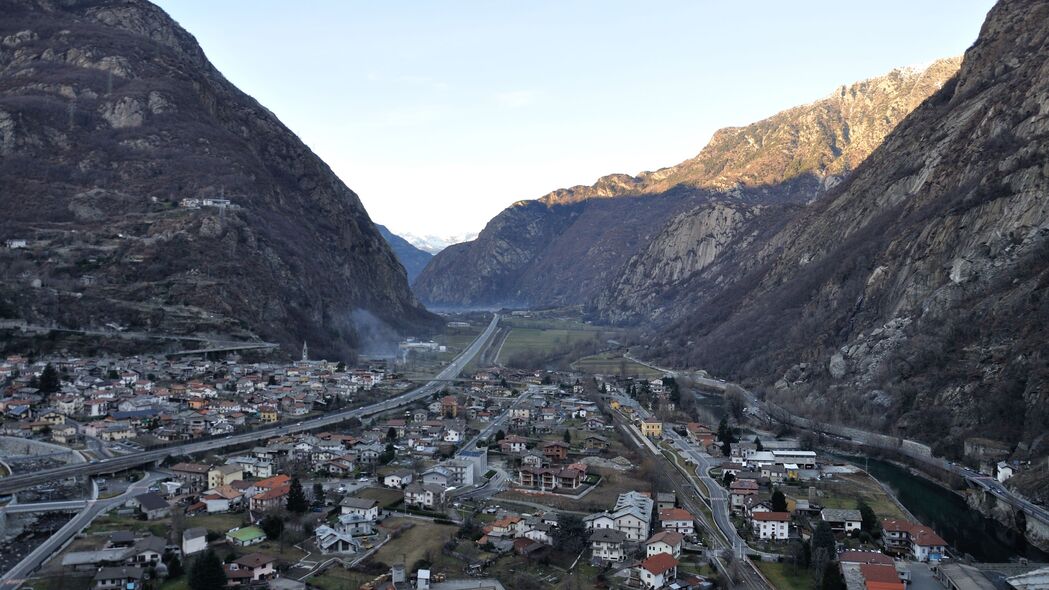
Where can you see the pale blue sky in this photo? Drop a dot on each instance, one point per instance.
(439, 115)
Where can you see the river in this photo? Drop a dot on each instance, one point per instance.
(965, 529)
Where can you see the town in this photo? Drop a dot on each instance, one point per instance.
(549, 478)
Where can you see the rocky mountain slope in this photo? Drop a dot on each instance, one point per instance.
(110, 116)
(570, 245)
(411, 258)
(913, 297)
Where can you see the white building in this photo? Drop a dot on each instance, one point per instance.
(771, 525)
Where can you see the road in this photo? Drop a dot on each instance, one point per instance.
(689, 496)
(718, 497)
(115, 464)
(17, 575)
(500, 480)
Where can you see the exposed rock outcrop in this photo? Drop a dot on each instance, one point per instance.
(584, 245)
(926, 270)
(110, 116)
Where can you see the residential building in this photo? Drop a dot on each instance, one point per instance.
(119, 578)
(245, 536)
(424, 495)
(771, 525)
(665, 542)
(676, 519)
(364, 507)
(842, 520)
(194, 540)
(657, 571)
(607, 544)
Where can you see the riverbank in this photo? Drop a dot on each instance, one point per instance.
(968, 531)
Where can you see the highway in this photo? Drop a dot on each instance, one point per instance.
(17, 575)
(115, 464)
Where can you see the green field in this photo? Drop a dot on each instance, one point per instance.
(385, 496)
(614, 364)
(422, 540)
(337, 578)
(785, 576)
(545, 340)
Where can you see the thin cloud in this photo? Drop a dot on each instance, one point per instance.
(516, 99)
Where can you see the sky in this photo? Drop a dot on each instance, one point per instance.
(440, 114)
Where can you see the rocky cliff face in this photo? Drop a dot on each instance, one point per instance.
(110, 116)
(914, 296)
(570, 246)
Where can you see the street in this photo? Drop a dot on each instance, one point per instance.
(17, 575)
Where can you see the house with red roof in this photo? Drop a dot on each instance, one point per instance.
(657, 571)
(771, 525)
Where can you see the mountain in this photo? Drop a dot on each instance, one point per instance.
(411, 258)
(111, 116)
(569, 246)
(434, 244)
(914, 296)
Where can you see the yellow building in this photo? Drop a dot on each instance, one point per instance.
(268, 414)
(223, 475)
(651, 428)
(614, 405)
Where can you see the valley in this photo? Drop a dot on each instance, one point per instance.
(810, 356)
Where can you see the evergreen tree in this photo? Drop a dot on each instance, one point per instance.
(174, 567)
(823, 538)
(388, 454)
(757, 445)
(726, 448)
(296, 497)
(779, 501)
(728, 478)
(724, 432)
(272, 525)
(318, 493)
(207, 573)
(49, 381)
(499, 435)
(869, 519)
(391, 434)
(567, 436)
(832, 578)
(570, 534)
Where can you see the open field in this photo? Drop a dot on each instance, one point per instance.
(612, 363)
(844, 491)
(110, 523)
(62, 581)
(386, 496)
(220, 523)
(542, 340)
(423, 540)
(784, 577)
(337, 578)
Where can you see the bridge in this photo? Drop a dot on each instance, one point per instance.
(230, 347)
(62, 506)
